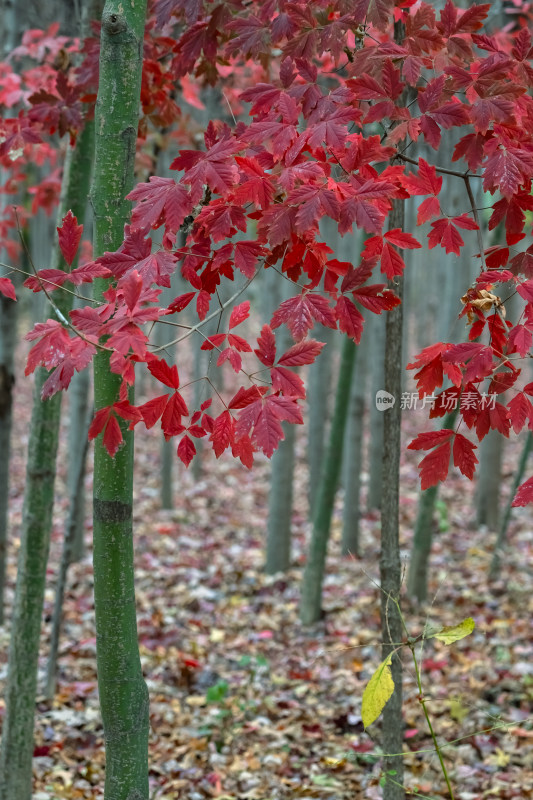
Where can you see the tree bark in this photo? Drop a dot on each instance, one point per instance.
(17, 740)
(502, 533)
(489, 480)
(376, 331)
(279, 523)
(123, 692)
(278, 550)
(311, 600)
(417, 576)
(389, 563)
(353, 456)
(8, 334)
(76, 498)
(79, 400)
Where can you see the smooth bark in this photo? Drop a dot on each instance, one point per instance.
(278, 550)
(353, 454)
(376, 331)
(70, 543)
(123, 692)
(80, 399)
(417, 576)
(17, 739)
(389, 563)
(490, 480)
(506, 518)
(311, 600)
(8, 334)
(279, 523)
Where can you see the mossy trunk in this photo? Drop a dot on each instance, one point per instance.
(17, 735)
(123, 692)
(311, 600)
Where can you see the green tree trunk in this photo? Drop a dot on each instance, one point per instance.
(8, 333)
(417, 576)
(76, 498)
(376, 331)
(123, 692)
(80, 403)
(502, 533)
(311, 600)
(389, 563)
(17, 740)
(278, 549)
(280, 500)
(353, 455)
(490, 479)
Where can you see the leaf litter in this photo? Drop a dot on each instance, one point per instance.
(247, 705)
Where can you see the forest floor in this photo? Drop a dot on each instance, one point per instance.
(247, 705)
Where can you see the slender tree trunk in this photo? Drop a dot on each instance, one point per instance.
(17, 739)
(489, 480)
(279, 527)
(278, 551)
(502, 533)
(76, 498)
(417, 576)
(79, 391)
(123, 692)
(389, 564)
(8, 333)
(311, 600)
(353, 455)
(320, 377)
(376, 331)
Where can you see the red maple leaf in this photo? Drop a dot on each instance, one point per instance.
(261, 420)
(69, 235)
(161, 201)
(7, 288)
(213, 168)
(445, 233)
(300, 314)
(106, 421)
(524, 494)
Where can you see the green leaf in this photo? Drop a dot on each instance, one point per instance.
(452, 633)
(217, 693)
(378, 690)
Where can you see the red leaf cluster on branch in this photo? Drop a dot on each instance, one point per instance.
(334, 106)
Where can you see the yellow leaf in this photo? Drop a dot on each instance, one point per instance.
(457, 710)
(378, 690)
(452, 633)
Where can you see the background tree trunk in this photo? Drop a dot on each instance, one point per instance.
(123, 692)
(278, 549)
(502, 533)
(311, 600)
(389, 563)
(17, 740)
(376, 332)
(417, 576)
(353, 452)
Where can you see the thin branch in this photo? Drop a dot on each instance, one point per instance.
(59, 314)
(207, 319)
(443, 170)
(57, 285)
(466, 179)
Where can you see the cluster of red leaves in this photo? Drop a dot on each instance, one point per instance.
(309, 151)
